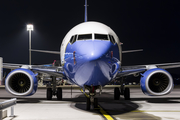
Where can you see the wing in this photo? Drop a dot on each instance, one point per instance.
(12, 66)
(51, 70)
(129, 70)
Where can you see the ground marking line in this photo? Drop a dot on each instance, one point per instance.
(153, 111)
(104, 113)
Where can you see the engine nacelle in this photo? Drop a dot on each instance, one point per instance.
(21, 82)
(156, 82)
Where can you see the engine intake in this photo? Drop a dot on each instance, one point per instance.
(21, 82)
(156, 82)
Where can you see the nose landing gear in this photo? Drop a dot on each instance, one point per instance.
(91, 102)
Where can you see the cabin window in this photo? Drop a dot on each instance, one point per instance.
(73, 39)
(85, 37)
(101, 37)
(112, 39)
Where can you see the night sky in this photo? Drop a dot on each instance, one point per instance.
(152, 25)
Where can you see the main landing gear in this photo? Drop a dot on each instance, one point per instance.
(53, 90)
(125, 92)
(122, 91)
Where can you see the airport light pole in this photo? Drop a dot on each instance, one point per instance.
(29, 28)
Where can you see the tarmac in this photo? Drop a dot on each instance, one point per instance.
(73, 106)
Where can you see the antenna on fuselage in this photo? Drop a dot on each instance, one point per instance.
(85, 19)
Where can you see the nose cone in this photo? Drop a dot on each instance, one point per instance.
(93, 50)
(91, 64)
(93, 73)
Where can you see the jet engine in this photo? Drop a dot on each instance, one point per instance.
(156, 82)
(21, 82)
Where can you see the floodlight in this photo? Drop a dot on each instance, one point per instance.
(29, 27)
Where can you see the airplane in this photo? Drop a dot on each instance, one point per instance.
(90, 57)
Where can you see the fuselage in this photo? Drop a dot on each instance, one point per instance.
(91, 54)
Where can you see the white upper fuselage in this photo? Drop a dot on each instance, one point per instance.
(86, 28)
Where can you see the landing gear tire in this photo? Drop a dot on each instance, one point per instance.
(116, 93)
(95, 103)
(59, 94)
(49, 94)
(88, 104)
(127, 93)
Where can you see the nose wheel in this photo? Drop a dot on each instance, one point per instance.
(88, 104)
(91, 102)
(95, 103)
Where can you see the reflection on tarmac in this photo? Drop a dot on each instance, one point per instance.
(140, 106)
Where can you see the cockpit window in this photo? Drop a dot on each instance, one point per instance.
(101, 37)
(112, 39)
(73, 39)
(85, 37)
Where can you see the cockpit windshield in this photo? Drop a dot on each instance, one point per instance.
(92, 36)
(112, 39)
(85, 37)
(73, 39)
(101, 37)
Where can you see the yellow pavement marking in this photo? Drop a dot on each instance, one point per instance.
(154, 111)
(104, 113)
